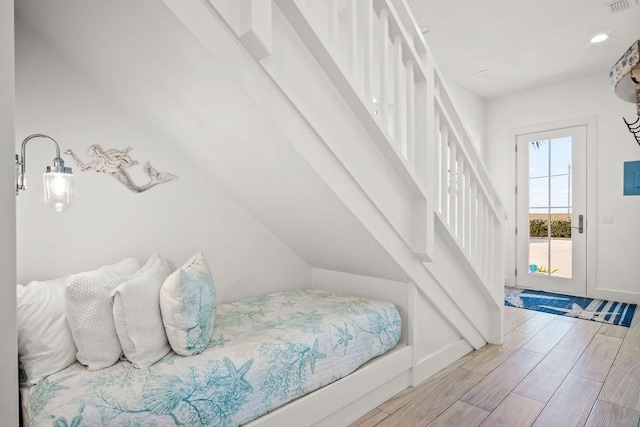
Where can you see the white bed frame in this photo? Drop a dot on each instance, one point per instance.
(375, 382)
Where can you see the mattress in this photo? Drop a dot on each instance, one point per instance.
(265, 352)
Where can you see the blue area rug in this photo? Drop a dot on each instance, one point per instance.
(611, 312)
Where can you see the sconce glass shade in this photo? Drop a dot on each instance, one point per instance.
(58, 190)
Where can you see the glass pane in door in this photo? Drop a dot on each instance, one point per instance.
(550, 207)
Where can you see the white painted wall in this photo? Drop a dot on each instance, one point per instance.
(616, 265)
(471, 109)
(9, 347)
(108, 221)
(435, 333)
(148, 63)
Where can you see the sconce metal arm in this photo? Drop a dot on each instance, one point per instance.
(21, 161)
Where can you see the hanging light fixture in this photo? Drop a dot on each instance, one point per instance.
(624, 79)
(58, 179)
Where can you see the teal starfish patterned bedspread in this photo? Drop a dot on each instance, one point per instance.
(265, 352)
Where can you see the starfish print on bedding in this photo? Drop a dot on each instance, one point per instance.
(235, 377)
(313, 354)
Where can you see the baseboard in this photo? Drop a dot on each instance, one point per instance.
(614, 295)
(425, 368)
(430, 365)
(367, 402)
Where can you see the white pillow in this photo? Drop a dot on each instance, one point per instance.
(45, 344)
(136, 314)
(188, 306)
(90, 314)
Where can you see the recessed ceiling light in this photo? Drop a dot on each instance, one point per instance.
(484, 73)
(599, 38)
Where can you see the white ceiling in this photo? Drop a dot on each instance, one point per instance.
(527, 43)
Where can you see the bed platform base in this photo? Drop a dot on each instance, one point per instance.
(349, 398)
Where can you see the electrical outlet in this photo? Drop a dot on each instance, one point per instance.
(606, 219)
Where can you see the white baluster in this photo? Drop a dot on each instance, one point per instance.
(490, 249)
(398, 92)
(480, 247)
(444, 171)
(483, 238)
(460, 200)
(498, 258)
(368, 26)
(411, 115)
(352, 28)
(453, 184)
(487, 243)
(475, 224)
(427, 134)
(467, 212)
(384, 64)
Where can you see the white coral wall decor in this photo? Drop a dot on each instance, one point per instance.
(115, 163)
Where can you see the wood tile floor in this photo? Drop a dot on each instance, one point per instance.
(550, 371)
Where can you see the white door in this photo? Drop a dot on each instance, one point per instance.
(551, 201)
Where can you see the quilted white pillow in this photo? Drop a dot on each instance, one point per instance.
(45, 344)
(90, 314)
(136, 314)
(188, 306)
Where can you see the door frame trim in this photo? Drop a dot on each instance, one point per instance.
(591, 123)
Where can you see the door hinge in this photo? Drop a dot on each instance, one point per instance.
(516, 230)
(516, 271)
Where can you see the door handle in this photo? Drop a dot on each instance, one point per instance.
(580, 226)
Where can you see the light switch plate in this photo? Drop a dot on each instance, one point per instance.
(606, 218)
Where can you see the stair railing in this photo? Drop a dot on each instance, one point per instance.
(377, 57)
(468, 203)
(379, 49)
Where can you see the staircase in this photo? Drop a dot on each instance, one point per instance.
(360, 78)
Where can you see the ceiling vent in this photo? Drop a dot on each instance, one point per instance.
(616, 6)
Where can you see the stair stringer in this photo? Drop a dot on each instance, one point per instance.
(303, 136)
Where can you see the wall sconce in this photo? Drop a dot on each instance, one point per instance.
(58, 180)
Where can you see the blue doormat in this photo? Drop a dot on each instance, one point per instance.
(611, 312)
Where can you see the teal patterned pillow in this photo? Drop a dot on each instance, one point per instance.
(188, 307)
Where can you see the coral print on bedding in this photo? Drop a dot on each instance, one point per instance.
(188, 306)
(264, 352)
